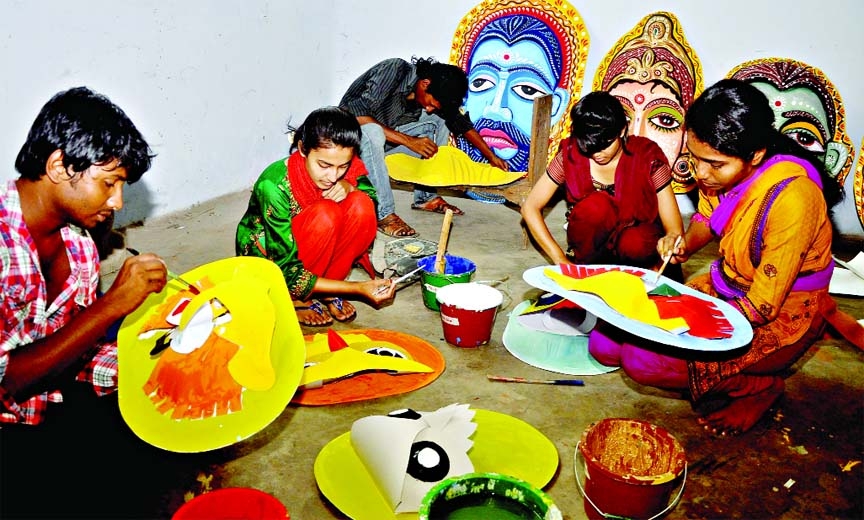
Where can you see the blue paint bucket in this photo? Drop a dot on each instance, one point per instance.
(456, 270)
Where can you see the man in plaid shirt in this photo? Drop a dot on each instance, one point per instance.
(80, 152)
(78, 155)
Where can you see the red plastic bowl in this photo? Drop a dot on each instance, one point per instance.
(233, 504)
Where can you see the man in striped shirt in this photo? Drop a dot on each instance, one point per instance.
(410, 108)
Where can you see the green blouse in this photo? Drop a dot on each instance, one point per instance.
(265, 229)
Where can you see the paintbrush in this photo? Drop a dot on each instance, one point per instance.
(399, 280)
(667, 258)
(174, 276)
(564, 382)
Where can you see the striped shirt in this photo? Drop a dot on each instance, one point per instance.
(382, 94)
(25, 313)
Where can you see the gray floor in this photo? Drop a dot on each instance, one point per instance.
(809, 437)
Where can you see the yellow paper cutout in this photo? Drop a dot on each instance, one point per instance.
(449, 167)
(324, 365)
(623, 292)
(252, 322)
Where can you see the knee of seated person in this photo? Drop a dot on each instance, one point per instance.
(648, 368)
(327, 212)
(636, 246)
(360, 204)
(374, 133)
(442, 136)
(595, 208)
(604, 349)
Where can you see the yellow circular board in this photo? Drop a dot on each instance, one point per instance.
(259, 408)
(502, 444)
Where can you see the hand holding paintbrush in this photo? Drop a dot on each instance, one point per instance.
(189, 286)
(396, 281)
(667, 257)
(138, 277)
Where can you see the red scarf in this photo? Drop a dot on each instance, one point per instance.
(304, 190)
(635, 195)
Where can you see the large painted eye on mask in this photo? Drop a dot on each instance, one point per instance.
(386, 351)
(404, 413)
(428, 462)
(807, 139)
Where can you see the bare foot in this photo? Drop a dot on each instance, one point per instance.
(312, 314)
(743, 412)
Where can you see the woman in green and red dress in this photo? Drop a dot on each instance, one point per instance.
(313, 214)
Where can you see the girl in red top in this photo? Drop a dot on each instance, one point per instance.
(618, 190)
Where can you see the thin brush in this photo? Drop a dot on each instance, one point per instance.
(399, 280)
(171, 274)
(668, 258)
(564, 382)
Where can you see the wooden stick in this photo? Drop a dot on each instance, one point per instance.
(442, 242)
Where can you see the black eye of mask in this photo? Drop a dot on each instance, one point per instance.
(428, 462)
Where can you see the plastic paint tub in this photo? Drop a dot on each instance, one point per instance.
(631, 469)
(468, 312)
(456, 270)
(486, 496)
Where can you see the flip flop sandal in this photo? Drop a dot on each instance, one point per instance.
(338, 303)
(317, 308)
(437, 205)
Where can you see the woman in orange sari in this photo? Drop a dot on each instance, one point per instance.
(768, 202)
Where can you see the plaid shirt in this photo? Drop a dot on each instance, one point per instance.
(25, 313)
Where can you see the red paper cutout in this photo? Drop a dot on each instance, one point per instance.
(703, 317)
(584, 271)
(335, 341)
(195, 385)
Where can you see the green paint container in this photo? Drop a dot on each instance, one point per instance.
(456, 270)
(487, 496)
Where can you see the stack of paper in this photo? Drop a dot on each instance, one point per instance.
(848, 277)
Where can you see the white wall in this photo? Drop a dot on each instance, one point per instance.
(212, 84)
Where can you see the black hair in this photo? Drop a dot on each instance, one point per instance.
(89, 129)
(736, 119)
(325, 128)
(596, 121)
(448, 84)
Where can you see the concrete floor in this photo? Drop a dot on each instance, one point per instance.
(809, 437)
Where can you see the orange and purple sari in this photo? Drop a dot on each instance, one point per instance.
(774, 266)
(775, 263)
